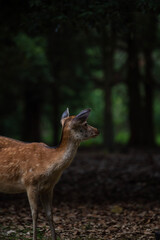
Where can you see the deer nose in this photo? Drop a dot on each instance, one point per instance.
(98, 132)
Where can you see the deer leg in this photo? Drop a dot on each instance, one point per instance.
(33, 201)
(46, 199)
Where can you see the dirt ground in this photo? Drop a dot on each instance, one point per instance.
(100, 196)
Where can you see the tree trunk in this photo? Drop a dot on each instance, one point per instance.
(56, 114)
(53, 55)
(135, 107)
(32, 113)
(141, 103)
(107, 65)
(148, 84)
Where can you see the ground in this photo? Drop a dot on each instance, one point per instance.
(100, 196)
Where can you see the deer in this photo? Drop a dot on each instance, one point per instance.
(35, 168)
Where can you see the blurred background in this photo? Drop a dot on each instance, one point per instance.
(99, 54)
(78, 54)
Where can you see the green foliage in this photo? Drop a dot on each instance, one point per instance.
(157, 117)
(120, 58)
(96, 103)
(35, 3)
(120, 113)
(34, 64)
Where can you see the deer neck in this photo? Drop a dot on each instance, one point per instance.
(66, 150)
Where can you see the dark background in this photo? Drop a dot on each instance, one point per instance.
(103, 55)
(79, 54)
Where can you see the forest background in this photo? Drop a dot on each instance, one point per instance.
(99, 54)
(78, 54)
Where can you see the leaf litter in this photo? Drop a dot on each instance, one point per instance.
(100, 196)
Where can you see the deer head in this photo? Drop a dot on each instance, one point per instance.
(77, 127)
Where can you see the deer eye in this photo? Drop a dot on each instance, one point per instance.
(85, 124)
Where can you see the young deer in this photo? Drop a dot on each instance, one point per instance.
(35, 168)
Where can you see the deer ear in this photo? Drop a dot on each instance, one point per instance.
(83, 115)
(65, 114)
